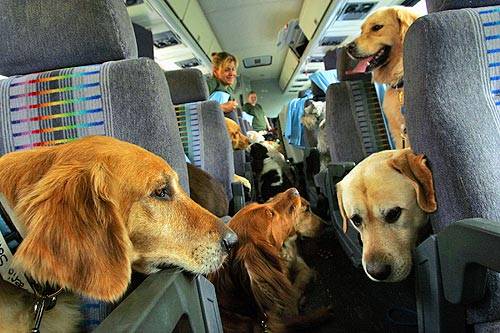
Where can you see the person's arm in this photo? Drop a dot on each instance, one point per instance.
(228, 106)
(269, 127)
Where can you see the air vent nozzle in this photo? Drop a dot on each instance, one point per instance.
(355, 11)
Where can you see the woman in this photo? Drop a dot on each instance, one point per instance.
(222, 80)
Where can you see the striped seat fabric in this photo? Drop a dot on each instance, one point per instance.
(52, 107)
(188, 120)
(369, 117)
(490, 18)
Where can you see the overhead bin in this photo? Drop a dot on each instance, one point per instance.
(291, 62)
(311, 14)
(179, 7)
(197, 24)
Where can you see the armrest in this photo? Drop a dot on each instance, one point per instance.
(451, 271)
(238, 197)
(164, 301)
(466, 249)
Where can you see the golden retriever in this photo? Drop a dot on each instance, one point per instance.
(94, 209)
(238, 140)
(380, 49)
(307, 224)
(386, 198)
(253, 288)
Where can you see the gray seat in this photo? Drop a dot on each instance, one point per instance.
(355, 128)
(452, 85)
(109, 92)
(202, 126)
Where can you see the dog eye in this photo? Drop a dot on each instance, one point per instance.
(393, 215)
(163, 193)
(377, 27)
(357, 220)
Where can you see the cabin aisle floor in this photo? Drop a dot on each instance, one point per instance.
(359, 304)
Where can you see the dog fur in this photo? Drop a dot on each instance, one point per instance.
(395, 22)
(238, 139)
(308, 225)
(254, 285)
(94, 209)
(272, 173)
(206, 191)
(386, 198)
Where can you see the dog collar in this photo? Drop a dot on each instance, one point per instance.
(10, 239)
(398, 85)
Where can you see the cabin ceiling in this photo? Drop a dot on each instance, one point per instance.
(249, 28)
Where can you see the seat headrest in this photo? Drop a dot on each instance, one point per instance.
(345, 64)
(440, 5)
(187, 86)
(330, 59)
(145, 42)
(40, 35)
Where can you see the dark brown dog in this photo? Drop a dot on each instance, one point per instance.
(206, 191)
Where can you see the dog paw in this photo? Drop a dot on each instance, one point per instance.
(243, 181)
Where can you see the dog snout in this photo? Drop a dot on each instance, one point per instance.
(351, 48)
(293, 192)
(378, 270)
(229, 240)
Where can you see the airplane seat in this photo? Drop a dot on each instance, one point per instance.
(355, 128)
(203, 129)
(452, 85)
(76, 73)
(238, 155)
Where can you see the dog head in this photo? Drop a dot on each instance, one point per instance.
(271, 222)
(238, 140)
(307, 223)
(96, 207)
(255, 267)
(386, 198)
(380, 45)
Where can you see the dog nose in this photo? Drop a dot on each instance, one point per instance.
(229, 240)
(378, 270)
(351, 47)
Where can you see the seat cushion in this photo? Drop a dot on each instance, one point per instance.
(41, 35)
(110, 99)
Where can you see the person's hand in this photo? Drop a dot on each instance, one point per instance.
(228, 106)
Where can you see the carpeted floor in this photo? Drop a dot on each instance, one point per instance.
(360, 305)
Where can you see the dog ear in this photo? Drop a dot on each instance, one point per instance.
(415, 168)
(341, 207)
(405, 19)
(76, 236)
(270, 287)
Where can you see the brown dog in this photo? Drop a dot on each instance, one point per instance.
(380, 49)
(307, 224)
(94, 209)
(206, 191)
(253, 286)
(386, 198)
(238, 140)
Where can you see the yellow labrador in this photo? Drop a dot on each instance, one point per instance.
(380, 49)
(386, 198)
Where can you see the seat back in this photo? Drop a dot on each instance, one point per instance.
(202, 126)
(109, 92)
(455, 120)
(355, 124)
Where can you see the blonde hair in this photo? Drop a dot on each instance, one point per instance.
(220, 59)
